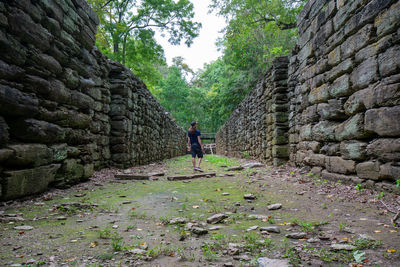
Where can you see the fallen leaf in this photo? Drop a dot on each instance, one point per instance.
(74, 241)
(21, 256)
(159, 223)
(93, 244)
(139, 229)
(218, 189)
(329, 196)
(378, 231)
(363, 219)
(132, 208)
(196, 207)
(171, 254)
(344, 239)
(143, 243)
(391, 250)
(393, 231)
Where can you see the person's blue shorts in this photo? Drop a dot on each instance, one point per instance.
(196, 150)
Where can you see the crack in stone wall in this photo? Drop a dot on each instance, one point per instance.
(65, 109)
(344, 95)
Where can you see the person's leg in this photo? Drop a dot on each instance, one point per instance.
(199, 162)
(194, 162)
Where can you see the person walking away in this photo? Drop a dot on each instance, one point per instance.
(195, 146)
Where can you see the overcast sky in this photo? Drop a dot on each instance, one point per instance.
(203, 50)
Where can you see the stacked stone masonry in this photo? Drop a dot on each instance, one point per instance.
(259, 125)
(65, 109)
(344, 92)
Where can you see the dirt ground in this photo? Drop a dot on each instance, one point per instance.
(112, 222)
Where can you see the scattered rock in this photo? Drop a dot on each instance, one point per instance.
(156, 174)
(225, 194)
(258, 217)
(252, 228)
(228, 264)
(313, 240)
(274, 206)
(214, 228)
(236, 168)
(242, 258)
(267, 262)
(178, 220)
(192, 176)
(23, 227)
(229, 174)
(249, 196)
(199, 231)
(299, 235)
(342, 247)
(61, 218)
(115, 226)
(237, 204)
(138, 251)
(271, 229)
(253, 165)
(216, 218)
(132, 176)
(127, 202)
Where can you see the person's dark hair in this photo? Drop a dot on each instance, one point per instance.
(192, 127)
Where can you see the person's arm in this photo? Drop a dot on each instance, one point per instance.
(188, 146)
(201, 145)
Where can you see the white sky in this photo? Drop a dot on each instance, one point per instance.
(203, 50)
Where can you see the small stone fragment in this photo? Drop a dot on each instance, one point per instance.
(214, 228)
(249, 196)
(274, 206)
(216, 218)
(235, 168)
(228, 264)
(61, 218)
(252, 228)
(138, 251)
(225, 194)
(271, 229)
(267, 262)
(313, 240)
(178, 220)
(253, 165)
(342, 247)
(299, 235)
(199, 231)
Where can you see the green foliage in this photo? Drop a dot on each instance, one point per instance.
(359, 188)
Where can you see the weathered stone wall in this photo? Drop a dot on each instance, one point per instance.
(345, 91)
(65, 109)
(344, 95)
(259, 125)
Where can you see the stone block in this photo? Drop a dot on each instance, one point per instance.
(29, 181)
(365, 73)
(334, 56)
(319, 94)
(368, 170)
(343, 68)
(331, 149)
(29, 155)
(355, 103)
(15, 103)
(341, 87)
(312, 145)
(339, 165)
(315, 160)
(389, 171)
(356, 41)
(354, 150)
(306, 133)
(31, 130)
(5, 154)
(385, 149)
(324, 131)
(353, 128)
(310, 114)
(382, 95)
(10, 72)
(383, 121)
(388, 21)
(332, 110)
(71, 172)
(389, 61)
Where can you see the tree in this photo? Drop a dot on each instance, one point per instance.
(124, 19)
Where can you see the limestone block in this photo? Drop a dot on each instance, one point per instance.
(389, 171)
(339, 165)
(389, 61)
(315, 160)
(30, 155)
(332, 110)
(25, 28)
(71, 171)
(281, 151)
(306, 133)
(60, 152)
(368, 170)
(324, 131)
(357, 41)
(385, 149)
(325, 175)
(319, 94)
(383, 121)
(306, 145)
(334, 56)
(354, 150)
(15, 103)
(353, 128)
(365, 73)
(10, 71)
(5, 154)
(331, 149)
(355, 103)
(59, 93)
(29, 181)
(341, 87)
(337, 71)
(32, 130)
(310, 114)
(388, 21)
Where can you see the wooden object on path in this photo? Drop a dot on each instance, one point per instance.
(236, 168)
(190, 176)
(133, 176)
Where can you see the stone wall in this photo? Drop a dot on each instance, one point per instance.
(259, 125)
(344, 95)
(65, 109)
(345, 91)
